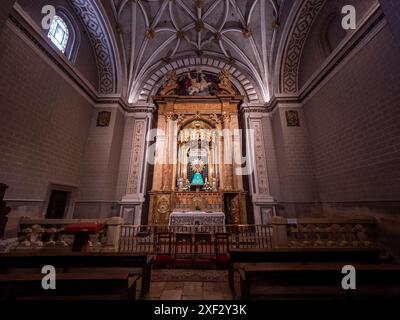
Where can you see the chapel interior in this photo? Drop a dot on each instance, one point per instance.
(199, 149)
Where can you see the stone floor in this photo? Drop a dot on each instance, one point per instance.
(196, 288)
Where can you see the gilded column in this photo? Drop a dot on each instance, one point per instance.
(236, 152)
(226, 151)
(159, 150)
(167, 169)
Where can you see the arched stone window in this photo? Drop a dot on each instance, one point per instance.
(59, 33)
(64, 35)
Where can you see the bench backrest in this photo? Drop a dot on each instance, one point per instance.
(70, 261)
(310, 277)
(305, 255)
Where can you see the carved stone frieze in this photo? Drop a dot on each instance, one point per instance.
(136, 156)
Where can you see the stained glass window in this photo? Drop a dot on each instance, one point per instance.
(59, 33)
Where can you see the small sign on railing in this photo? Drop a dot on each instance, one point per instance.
(291, 221)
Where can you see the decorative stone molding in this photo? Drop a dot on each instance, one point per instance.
(163, 208)
(252, 110)
(136, 157)
(295, 44)
(260, 159)
(101, 42)
(31, 235)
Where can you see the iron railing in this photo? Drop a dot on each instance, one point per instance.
(193, 240)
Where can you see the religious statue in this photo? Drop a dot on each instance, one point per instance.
(224, 77)
(183, 85)
(170, 83)
(180, 184)
(183, 185)
(224, 82)
(214, 184)
(234, 210)
(197, 166)
(207, 186)
(196, 86)
(187, 185)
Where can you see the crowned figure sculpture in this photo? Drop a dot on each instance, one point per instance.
(197, 167)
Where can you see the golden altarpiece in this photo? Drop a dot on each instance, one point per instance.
(196, 146)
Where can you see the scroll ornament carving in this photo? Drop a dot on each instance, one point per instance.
(225, 82)
(234, 210)
(163, 208)
(260, 159)
(170, 83)
(136, 158)
(331, 235)
(226, 117)
(215, 118)
(295, 46)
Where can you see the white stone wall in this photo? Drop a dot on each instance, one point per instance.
(100, 166)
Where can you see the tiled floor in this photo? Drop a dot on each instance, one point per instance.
(189, 290)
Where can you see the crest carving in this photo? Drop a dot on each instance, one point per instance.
(103, 119)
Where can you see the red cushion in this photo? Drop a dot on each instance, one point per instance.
(203, 263)
(181, 262)
(84, 226)
(222, 259)
(163, 258)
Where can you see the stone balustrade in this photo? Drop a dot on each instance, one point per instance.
(49, 234)
(324, 232)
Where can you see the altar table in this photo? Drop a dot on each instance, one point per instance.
(197, 219)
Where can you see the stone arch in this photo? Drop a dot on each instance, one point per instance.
(294, 44)
(143, 92)
(102, 41)
(328, 44)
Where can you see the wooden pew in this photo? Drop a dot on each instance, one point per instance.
(256, 255)
(71, 262)
(317, 281)
(70, 286)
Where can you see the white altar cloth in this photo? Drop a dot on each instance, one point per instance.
(197, 219)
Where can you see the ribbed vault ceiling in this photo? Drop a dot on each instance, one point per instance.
(156, 33)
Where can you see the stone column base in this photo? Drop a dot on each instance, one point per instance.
(131, 208)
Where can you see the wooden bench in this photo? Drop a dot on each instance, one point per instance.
(316, 281)
(72, 262)
(254, 255)
(70, 286)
